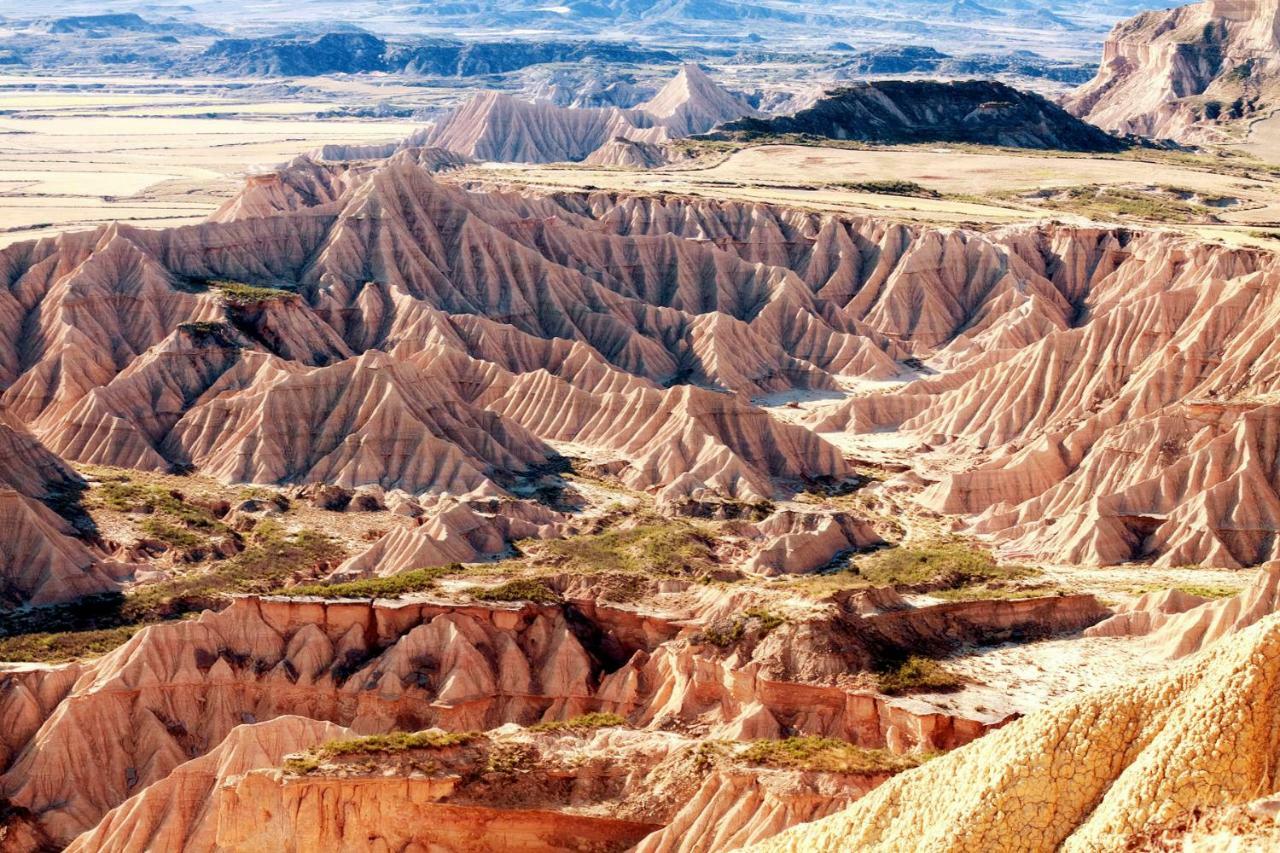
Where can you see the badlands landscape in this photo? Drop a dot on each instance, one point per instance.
(670, 427)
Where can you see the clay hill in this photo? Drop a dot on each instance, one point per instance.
(494, 126)
(117, 752)
(1135, 768)
(442, 343)
(981, 112)
(1181, 73)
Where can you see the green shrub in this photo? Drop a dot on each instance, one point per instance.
(396, 742)
(727, 632)
(945, 564)
(917, 675)
(887, 187)
(825, 755)
(656, 546)
(586, 722)
(57, 647)
(416, 580)
(240, 295)
(173, 537)
(517, 589)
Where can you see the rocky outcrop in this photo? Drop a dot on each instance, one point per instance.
(494, 126)
(1183, 73)
(915, 111)
(44, 557)
(452, 533)
(692, 103)
(685, 442)
(1094, 773)
(734, 807)
(179, 812)
(628, 154)
(795, 543)
(176, 691)
(1175, 625)
(575, 790)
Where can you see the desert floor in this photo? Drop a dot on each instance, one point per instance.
(155, 153)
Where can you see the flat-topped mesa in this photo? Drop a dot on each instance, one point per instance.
(495, 126)
(981, 112)
(505, 790)
(1185, 73)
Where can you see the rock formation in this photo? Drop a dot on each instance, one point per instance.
(693, 103)
(1175, 625)
(628, 153)
(44, 557)
(176, 691)
(913, 111)
(1181, 73)
(1100, 772)
(627, 787)
(494, 126)
(179, 811)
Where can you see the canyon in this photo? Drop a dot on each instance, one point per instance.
(670, 428)
(510, 400)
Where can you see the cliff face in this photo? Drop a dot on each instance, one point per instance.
(1103, 772)
(90, 737)
(1178, 74)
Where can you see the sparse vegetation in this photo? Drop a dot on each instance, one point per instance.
(129, 492)
(938, 565)
(507, 758)
(272, 557)
(826, 755)
(1202, 590)
(886, 187)
(583, 723)
(917, 675)
(517, 589)
(654, 546)
(416, 580)
(376, 745)
(997, 590)
(1157, 204)
(728, 632)
(63, 646)
(239, 294)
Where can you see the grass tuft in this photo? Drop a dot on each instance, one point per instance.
(584, 723)
(517, 589)
(825, 755)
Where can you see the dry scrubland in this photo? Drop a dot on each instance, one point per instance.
(153, 152)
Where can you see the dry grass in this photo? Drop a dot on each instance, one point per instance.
(825, 755)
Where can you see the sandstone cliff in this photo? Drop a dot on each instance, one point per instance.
(1096, 773)
(1180, 73)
